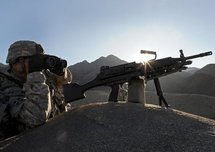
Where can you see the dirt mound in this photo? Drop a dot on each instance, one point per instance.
(120, 127)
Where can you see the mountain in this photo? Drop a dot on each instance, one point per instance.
(173, 83)
(208, 70)
(84, 71)
(201, 82)
(191, 81)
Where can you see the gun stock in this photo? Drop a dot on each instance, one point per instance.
(73, 92)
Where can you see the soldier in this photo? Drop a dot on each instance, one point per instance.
(29, 98)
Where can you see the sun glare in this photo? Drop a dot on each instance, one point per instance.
(142, 57)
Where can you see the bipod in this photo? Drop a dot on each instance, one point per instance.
(160, 93)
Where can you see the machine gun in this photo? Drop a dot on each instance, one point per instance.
(117, 75)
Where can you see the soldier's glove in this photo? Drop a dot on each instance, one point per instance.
(41, 61)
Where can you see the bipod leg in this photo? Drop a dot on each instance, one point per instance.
(160, 93)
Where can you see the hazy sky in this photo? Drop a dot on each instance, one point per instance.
(87, 29)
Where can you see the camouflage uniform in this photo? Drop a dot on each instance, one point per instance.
(29, 104)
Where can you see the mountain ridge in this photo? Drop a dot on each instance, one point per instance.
(85, 71)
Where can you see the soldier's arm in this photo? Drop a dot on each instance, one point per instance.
(65, 78)
(60, 80)
(32, 105)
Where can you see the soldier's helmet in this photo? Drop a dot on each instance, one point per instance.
(23, 49)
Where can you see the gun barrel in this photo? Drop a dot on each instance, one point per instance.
(199, 55)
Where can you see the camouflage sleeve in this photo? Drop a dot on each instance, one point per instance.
(62, 79)
(36, 105)
(66, 78)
